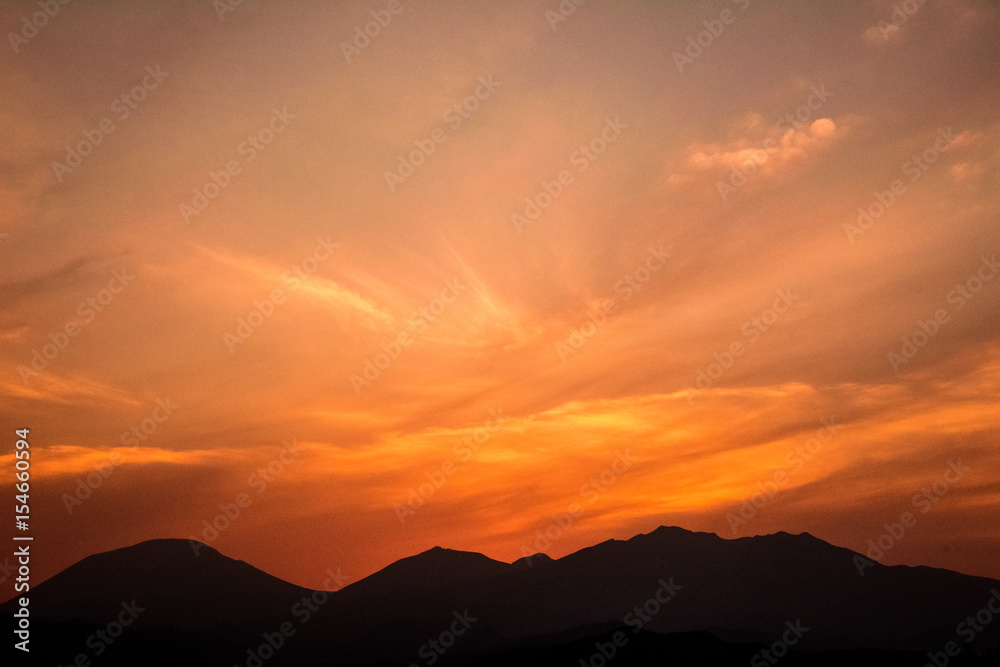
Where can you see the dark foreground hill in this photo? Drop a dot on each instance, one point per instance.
(173, 584)
(667, 594)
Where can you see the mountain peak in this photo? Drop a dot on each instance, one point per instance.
(164, 548)
(165, 570)
(674, 531)
(443, 553)
(533, 560)
(428, 570)
(800, 539)
(440, 556)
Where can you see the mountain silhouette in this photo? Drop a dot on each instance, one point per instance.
(427, 571)
(171, 583)
(746, 593)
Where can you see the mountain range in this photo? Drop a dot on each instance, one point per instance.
(669, 593)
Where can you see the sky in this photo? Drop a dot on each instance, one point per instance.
(325, 285)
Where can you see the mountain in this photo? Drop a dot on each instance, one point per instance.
(172, 585)
(748, 588)
(742, 590)
(427, 571)
(748, 593)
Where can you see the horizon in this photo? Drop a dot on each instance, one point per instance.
(863, 563)
(324, 285)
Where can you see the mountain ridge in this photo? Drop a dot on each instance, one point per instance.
(741, 590)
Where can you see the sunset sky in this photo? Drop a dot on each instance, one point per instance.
(510, 252)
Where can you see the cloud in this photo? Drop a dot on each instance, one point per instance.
(66, 460)
(767, 153)
(63, 277)
(49, 387)
(831, 123)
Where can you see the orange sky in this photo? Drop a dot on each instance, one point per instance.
(564, 309)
